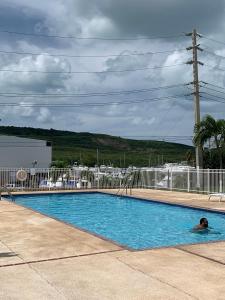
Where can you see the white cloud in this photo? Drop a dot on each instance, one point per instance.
(125, 18)
(142, 121)
(44, 116)
(31, 74)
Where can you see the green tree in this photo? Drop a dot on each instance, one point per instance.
(212, 132)
(87, 175)
(190, 157)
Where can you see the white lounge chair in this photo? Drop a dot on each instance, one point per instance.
(218, 195)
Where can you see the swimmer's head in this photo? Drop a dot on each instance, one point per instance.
(204, 222)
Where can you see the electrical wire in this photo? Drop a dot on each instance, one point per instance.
(213, 40)
(207, 83)
(92, 94)
(91, 72)
(90, 56)
(91, 38)
(205, 87)
(214, 54)
(214, 67)
(90, 104)
(212, 99)
(214, 95)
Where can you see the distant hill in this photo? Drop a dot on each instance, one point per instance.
(81, 147)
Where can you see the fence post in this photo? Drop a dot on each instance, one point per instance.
(188, 180)
(208, 181)
(171, 180)
(168, 179)
(220, 176)
(155, 178)
(98, 180)
(74, 178)
(222, 180)
(48, 181)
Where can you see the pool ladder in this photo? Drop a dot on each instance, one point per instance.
(123, 189)
(5, 189)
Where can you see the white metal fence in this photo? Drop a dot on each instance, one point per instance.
(189, 180)
(60, 179)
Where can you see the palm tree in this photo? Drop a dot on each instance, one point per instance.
(211, 131)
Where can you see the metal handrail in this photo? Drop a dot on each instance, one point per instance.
(125, 187)
(5, 189)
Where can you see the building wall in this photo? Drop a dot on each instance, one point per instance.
(21, 153)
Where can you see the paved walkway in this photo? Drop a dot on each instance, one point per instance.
(41, 258)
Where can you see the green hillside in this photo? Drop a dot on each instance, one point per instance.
(81, 147)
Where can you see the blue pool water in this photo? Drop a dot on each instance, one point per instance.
(130, 222)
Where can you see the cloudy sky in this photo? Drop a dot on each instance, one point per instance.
(110, 66)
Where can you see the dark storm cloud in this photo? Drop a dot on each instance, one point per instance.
(150, 17)
(16, 18)
(25, 20)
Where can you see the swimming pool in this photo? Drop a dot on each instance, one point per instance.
(135, 223)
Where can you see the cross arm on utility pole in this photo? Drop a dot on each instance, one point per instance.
(191, 62)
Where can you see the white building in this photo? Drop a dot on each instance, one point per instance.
(16, 152)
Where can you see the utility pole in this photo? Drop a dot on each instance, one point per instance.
(195, 48)
(97, 157)
(80, 159)
(149, 160)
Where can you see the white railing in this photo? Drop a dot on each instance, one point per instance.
(188, 180)
(62, 179)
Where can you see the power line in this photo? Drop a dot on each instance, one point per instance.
(90, 104)
(213, 40)
(91, 56)
(205, 87)
(204, 97)
(214, 54)
(92, 94)
(91, 38)
(91, 72)
(214, 67)
(214, 96)
(207, 83)
(206, 46)
(213, 100)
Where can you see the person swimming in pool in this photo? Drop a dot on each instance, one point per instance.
(203, 225)
(204, 228)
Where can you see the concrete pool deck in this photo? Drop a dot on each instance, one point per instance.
(42, 258)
